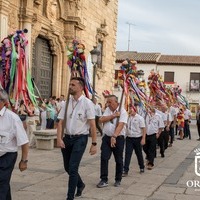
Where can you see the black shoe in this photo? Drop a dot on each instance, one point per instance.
(149, 167)
(102, 184)
(162, 155)
(80, 190)
(124, 174)
(141, 171)
(198, 139)
(117, 183)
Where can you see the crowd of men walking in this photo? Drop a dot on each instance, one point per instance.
(122, 133)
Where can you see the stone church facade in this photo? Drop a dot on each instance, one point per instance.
(51, 25)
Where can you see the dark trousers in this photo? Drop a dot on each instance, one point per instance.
(133, 143)
(198, 128)
(171, 133)
(97, 125)
(163, 141)
(176, 129)
(50, 123)
(150, 148)
(7, 163)
(187, 129)
(72, 155)
(106, 151)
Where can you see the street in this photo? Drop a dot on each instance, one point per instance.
(172, 178)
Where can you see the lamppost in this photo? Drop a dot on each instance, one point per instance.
(94, 57)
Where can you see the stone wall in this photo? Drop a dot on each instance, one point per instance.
(60, 21)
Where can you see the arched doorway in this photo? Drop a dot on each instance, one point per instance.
(42, 69)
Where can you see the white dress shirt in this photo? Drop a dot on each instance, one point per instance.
(154, 123)
(78, 113)
(12, 133)
(134, 125)
(110, 126)
(187, 114)
(173, 112)
(97, 109)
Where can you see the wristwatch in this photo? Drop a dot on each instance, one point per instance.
(94, 143)
(24, 161)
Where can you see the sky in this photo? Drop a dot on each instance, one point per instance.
(170, 27)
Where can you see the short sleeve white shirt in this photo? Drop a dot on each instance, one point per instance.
(12, 133)
(173, 112)
(154, 123)
(134, 125)
(97, 109)
(78, 114)
(166, 117)
(187, 114)
(110, 126)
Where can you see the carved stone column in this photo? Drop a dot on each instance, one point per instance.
(4, 10)
(25, 18)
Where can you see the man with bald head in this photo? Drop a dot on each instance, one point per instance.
(114, 122)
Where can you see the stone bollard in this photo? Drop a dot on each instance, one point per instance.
(45, 138)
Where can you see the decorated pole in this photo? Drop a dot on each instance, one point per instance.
(78, 68)
(15, 75)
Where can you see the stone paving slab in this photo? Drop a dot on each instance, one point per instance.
(46, 179)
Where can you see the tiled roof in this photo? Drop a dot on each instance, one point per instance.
(139, 57)
(157, 58)
(179, 60)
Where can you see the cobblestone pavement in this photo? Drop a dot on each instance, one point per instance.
(172, 178)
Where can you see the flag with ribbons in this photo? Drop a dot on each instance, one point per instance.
(134, 86)
(15, 74)
(135, 89)
(77, 64)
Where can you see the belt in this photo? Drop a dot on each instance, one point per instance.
(119, 136)
(152, 134)
(135, 137)
(75, 136)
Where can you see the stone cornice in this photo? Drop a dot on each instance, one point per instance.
(101, 31)
(4, 7)
(76, 21)
(106, 1)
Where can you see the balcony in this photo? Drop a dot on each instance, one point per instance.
(193, 87)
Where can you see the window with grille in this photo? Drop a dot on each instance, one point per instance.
(194, 81)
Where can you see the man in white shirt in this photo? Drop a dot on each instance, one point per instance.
(135, 138)
(163, 138)
(154, 127)
(98, 114)
(187, 118)
(12, 135)
(79, 118)
(198, 121)
(114, 129)
(173, 112)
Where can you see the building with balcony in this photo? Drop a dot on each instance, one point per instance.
(179, 70)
